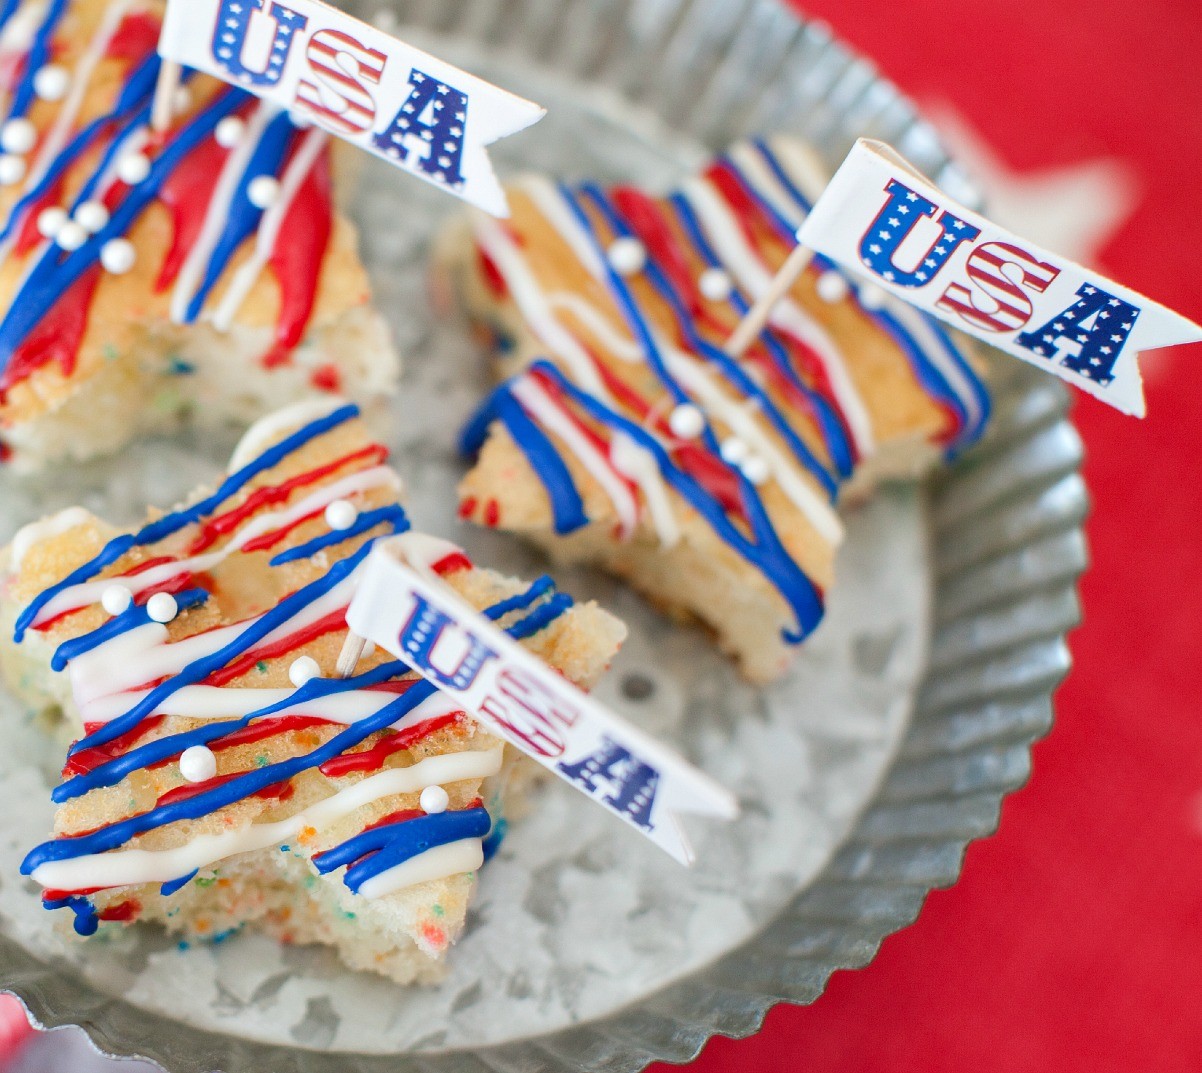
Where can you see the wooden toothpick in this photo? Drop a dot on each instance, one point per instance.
(351, 654)
(752, 324)
(162, 111)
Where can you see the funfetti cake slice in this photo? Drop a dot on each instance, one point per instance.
(223, 775)
(204, 271)
(626, 436)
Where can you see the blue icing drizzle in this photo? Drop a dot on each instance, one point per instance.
(567, 508)
(244, 216)
(393, 516)
(53, 274)
(522, 600)
(199, 669)
(375, 851)
(496, 836)
(730, 368)
(122, 623)
(82, 141)
(37, 57)
(834, 433)
(177, 520)
(765, 551)
(251, 782)
(170, 887)
(8, 10)
(928, 374)
(87, 921)
(541, 617)
(113, 771)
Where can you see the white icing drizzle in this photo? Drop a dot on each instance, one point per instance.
(312, 145)
(36, 532)
(622, 347)
(272, 427)
(755, 277)
(802, 165)
(226, 702)
(90, 592)
(454, 858)
(549, 414)
(687, 369)
(549, 201)
(129, 867)
(918, 325)
(495, 241)
(767, 185)
(138, 656)
(192, 272)
(64, 120)
(693, 375)
(640, 465)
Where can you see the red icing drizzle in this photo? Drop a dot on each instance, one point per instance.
(335, 620)
(83, 762)
(373, 758)
(136, 38)
(57, 336)
(269, 495)
(279, 791)
(297, 258)
(186, 194)
(492, 274)
(126, 910)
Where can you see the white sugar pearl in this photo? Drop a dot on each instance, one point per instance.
(716, 285)
(734, 451)
(12, 170)
(161, 607)
(71, 236)
(434, 799)
(52, 82)
(115, 599)
(229, 131)
(341, 514)
(832, 287)
(871, 297)
(686, 421)
(133, 168)
(197, 763)
(92, 216)
(756, 469)
(18, 136)
(304, 669)
(300, 120)
(118, 256)
(51, 220)
(263, 191)
(627, 256)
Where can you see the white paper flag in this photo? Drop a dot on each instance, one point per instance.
(417, 112)
(407, 610)
(881, 218)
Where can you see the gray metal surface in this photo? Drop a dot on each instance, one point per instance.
(1005, 543)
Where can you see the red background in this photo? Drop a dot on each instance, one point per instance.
(1072, 940)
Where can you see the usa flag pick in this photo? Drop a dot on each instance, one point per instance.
(881, 218)
(404, 105)
(403, 607)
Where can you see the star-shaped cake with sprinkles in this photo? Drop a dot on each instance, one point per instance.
(625, 434)
(201, 271)
(222, 773)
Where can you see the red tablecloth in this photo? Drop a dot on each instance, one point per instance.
(1072, 940)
